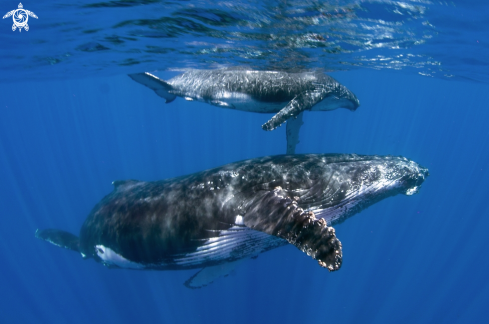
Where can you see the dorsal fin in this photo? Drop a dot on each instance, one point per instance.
(118, 183)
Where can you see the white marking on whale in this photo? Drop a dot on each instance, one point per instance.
(110, 257)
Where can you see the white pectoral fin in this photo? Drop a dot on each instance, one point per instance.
(208, 275)
(159, 86)
(222, 104)
(292, 132)
(274, 213)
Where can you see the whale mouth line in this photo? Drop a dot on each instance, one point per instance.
(412, 191)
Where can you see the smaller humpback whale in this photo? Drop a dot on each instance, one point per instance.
(286, 94)
(213, 218)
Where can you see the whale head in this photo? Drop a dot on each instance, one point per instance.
(337, 96)
(410, 176)
(345, 184)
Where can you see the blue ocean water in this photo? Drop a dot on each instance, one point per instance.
(68, 129)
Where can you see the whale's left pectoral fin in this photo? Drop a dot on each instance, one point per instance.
(208, 275)
(292, 132)
(276, 214)
(301, 102)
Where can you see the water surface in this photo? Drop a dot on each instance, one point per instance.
(71, 122)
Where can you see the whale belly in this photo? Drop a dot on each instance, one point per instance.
(237, 242)
(244, 102)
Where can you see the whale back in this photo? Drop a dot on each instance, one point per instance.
(264, 86)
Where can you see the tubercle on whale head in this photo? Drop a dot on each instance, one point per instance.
(337, 96)
(406, 176)
(401, 175)
(348, 98)
(356, 103)
(346, 184)
(413, 178)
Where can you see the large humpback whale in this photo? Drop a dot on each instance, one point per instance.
(211, 218)
(286, 94)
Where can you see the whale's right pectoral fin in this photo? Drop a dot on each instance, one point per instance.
(162, 88)
(276, 214)
(59, 238)
(208, 275)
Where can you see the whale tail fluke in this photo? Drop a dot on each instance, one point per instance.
(161, 87)
(59, 238)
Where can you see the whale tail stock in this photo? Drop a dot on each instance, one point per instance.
(161, 87)
(60, 238)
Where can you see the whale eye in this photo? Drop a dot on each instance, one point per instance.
(99, 250)
(315, 173)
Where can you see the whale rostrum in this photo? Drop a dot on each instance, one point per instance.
(237, 211)
(287, 95)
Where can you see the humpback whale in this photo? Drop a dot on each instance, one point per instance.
(286, 94)
(212, 218)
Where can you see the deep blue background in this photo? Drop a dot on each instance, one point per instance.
(411, 259)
